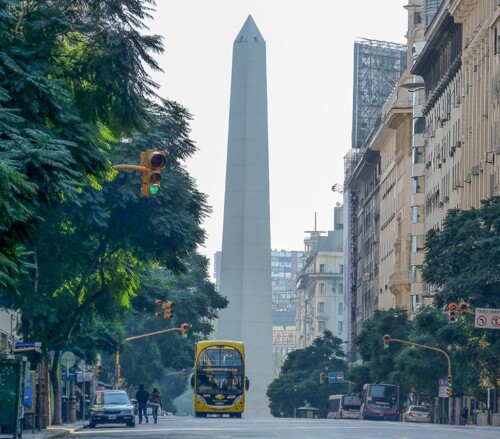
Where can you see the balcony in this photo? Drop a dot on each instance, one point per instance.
(399, 283)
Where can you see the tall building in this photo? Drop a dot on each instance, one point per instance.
(245, 266)
(377, 67)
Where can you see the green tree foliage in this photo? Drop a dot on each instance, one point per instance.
(299, 380)
(369, 343)
(77, 238)
(72, 79)
(462, 261)
(196, 303)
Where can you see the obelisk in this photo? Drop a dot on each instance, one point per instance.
(245, 273)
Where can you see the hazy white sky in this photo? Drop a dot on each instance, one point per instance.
(309, 84)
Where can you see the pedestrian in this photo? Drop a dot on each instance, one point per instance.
(464, 414)
(142, 397)
(156, 403)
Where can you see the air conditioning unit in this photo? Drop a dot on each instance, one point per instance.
(489, 157)
(474, 170)
(446, 199)
(468, 178)
(441, 204)
(457, 100)
(458, 183)
(467, 42)
(444, 116)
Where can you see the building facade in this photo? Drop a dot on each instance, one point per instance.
(319, 292)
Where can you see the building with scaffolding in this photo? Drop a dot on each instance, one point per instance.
(377, 67)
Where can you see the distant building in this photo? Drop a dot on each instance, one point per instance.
(319, 292)
(285, 264)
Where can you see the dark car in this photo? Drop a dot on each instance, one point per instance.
(111, 407)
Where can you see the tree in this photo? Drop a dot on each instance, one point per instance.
(462, 262)
(299, 380)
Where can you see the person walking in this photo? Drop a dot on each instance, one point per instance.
(142, 397)
(464, 414)
(155, 401)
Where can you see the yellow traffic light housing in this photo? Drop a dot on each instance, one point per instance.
(387, 339)
(452, 312)
(450, 386)
(154, 162)
(168, 309)
(184, 330)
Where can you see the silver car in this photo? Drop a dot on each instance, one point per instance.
(111, 407)
(417, 413)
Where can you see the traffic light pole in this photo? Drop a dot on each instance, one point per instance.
(131, 167)
(427, 347)
(135, 337)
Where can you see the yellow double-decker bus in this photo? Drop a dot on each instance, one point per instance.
(219, 380)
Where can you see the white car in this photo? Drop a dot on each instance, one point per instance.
(417, 413)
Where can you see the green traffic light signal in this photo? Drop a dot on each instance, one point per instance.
(154, 189)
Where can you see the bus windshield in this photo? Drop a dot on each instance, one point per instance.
(219, 370)
(383, 393)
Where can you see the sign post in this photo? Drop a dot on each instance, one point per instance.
(487, 318)
(336, 377)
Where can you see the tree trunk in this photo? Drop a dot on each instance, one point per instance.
(55, 382)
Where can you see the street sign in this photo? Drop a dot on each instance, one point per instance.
(28, 344)
(336, 377)
(487, 318)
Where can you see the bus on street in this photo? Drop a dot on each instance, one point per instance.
(380, 402)
(344, 407)
(219, 380)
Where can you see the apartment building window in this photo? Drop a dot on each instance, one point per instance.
(416, 273)
(417, 243)
(321, 268)
(417, 214)
(321, 306)
(417, 185)
(340, 309)
(341, 288)
(321, 326)
(339, 328)
(341, 268)
(322, 289)
(418, 155)
(418, 125)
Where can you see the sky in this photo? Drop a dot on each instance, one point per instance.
(310, 46)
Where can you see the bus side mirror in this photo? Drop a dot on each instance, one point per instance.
(247, 383)
(192, 381)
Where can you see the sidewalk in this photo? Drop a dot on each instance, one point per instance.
(50, 432)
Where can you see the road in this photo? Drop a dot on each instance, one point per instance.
(173, 427)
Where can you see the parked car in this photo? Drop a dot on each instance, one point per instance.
(417, 413)
(111, 407)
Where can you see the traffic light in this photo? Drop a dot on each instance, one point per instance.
(463, 310)
(452, 312)
(158, 303)
(97, 370)
(121, 381)
(387, 339)
(185, 329)
(183, 374)
(168, 309)
(322, 377)
(450, 386)
(154, 161)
